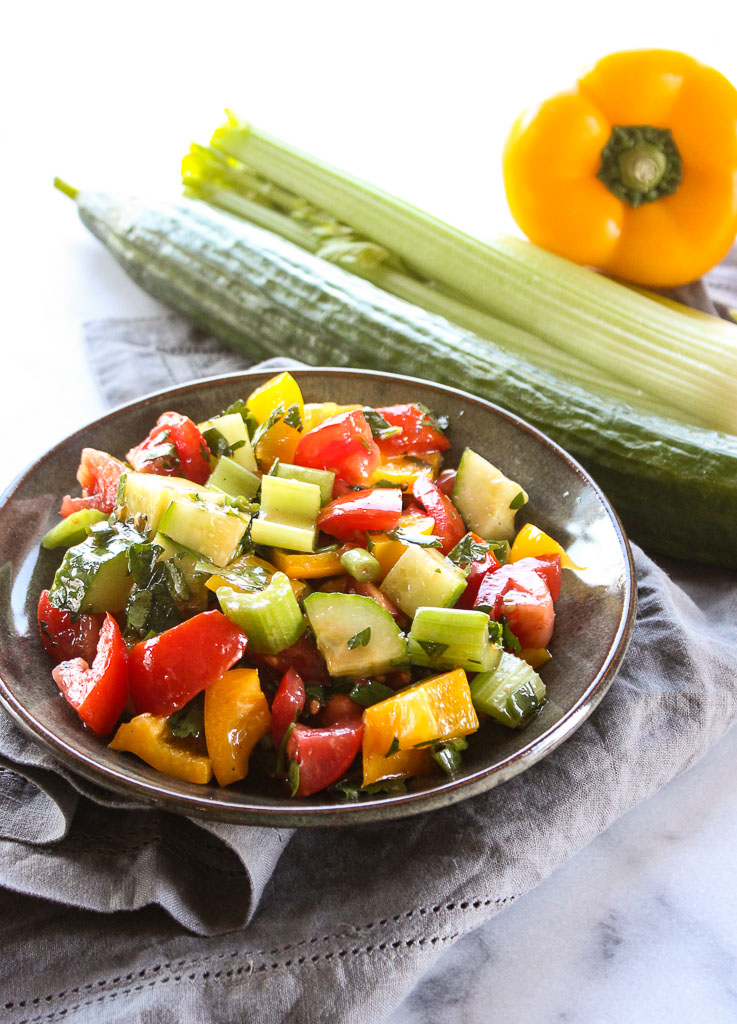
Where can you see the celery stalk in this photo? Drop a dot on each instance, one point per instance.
(656, 356)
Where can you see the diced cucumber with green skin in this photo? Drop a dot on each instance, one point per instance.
(447, 638)
(93, 575)
(355, 635)
(233, 429)
(233, 479)
(486, 498)
(211, 530)
(187, 561)
(423, 577)
(288, 515)
(73, 529)
(322, 477)
(149, 495)
(512, 694)
(271, 618)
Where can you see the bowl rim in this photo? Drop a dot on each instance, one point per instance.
(303, 814)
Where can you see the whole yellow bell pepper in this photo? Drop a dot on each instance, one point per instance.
(633, 171)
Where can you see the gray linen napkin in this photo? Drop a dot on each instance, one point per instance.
(343, 913)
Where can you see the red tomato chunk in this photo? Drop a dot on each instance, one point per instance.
(343, 444)
(170, 669)
(98, 692)
(418, 433)
(358, 511)
(520, 592)
(99, 475)
(175, 447)
(323, 755)
(66, 637)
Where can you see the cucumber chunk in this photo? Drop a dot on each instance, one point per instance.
(354, 634)
(234, 435)
(211, 530)
(486, 498)
(149, 495)
(451, 638)
(422, 576)
(93, 575)
(512, 694)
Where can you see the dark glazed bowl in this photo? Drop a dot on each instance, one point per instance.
(594, 615)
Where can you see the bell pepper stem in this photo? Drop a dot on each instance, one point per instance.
(640, 164)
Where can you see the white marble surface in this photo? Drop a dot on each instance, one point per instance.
(641, 925)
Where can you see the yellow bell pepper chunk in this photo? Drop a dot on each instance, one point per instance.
(279, 442)
(403, 764)
(149, 737)
(236, 717)
(535, 656)
(313, 565)
(532, 542)
(434, 710)
(402, 470)
(316, 413)
(282, 389)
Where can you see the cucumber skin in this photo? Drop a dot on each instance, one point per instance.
(673, 486)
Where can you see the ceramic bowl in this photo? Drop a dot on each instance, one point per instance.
(594, 615)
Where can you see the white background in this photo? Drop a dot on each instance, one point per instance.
(417, 97)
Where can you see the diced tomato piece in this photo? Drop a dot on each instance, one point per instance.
(378, 510)
(446, 481)
(547, 567)
(343, 444)
(99, 475)
(66, 637)
(303, 656)
(174, 447)
(170, 669)
(418, 432)
(323, 755)
(288, 702)
(522, 596)
(340, 708)
(449, 526)
(476, 572)
(97, 692)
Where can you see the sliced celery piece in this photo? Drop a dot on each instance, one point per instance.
(271, 618)
(452, 638)
(73, 529)
(361, 565)
(288, 516)
(512, 694)
(322, 477)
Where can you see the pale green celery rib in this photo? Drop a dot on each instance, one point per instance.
(687, 363)
(412, 289)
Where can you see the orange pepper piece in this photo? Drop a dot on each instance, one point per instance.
(149, 737)
(633, 170)
(236, 717)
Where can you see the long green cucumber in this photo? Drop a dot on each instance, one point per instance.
(674, 486)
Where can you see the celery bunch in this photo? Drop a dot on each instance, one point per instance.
(657, 356)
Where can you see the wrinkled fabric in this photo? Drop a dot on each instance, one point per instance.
(110, 911)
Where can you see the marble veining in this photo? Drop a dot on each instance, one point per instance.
(641, 926)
